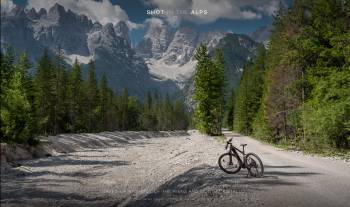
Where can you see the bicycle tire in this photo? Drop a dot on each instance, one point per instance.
(261, 173)
(233, 157)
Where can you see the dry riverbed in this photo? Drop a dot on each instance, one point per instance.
(169, 169)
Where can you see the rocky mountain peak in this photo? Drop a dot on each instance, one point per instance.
(155, 41)
(32, 14)
(42, 12)
(108, 30)
(96, 27)
(57, 9)
(17, 11)
(211, 38)
(122, 30)
(181, 48)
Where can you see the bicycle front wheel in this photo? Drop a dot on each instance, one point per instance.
(254, 165)
(229, 163)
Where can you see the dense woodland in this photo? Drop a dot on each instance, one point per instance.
(56, 99)
(298, 90)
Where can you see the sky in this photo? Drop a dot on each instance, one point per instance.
(237, 16)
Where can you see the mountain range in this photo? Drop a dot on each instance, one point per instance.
(162, 60)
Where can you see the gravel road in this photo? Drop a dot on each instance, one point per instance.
(175, 171)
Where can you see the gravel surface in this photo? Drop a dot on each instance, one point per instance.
(174, 170)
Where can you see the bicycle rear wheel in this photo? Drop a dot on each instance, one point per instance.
(254, 165)
(229, 163)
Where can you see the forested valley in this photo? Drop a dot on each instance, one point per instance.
(297, 91)
(56, 99)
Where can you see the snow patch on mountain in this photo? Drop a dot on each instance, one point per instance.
(70, 59)
(169, 54)
(176, 72)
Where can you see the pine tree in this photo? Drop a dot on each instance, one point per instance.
(203, 116)
(27, 83)
(92, 98)
(76, 97)
(7, 67)
(217, 90)
(45, 101)
(124, 103)
(104, 103)
(133, 114)
(166, 115)
(180, 117)
(209, 91)
(230, 108)
(61, 115)
(148, 118)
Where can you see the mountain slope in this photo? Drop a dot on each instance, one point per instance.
(169, 55)
(262, 34)
(108, 45)
(162, 61)
(237, 50)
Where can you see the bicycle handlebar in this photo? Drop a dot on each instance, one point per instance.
(228, 142)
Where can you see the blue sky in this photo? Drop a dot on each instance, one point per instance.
(238, 16)
(136, 11)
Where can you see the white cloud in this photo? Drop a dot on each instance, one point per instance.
(229, 9)
(102, 11)
(154, 22)
(270, 8)
(6, 6)
(133, 25)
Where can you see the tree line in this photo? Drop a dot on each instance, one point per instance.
(298, 90)
(55, 99)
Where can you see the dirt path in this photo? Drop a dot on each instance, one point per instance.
(174, 171)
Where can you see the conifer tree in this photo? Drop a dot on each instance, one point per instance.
(230, 108)
(45, 99)
(124, 103)
(92, 98)
(61, 115)
(181, 120)
(203, 116)
(209, 91)
(76, 99)
(104, 103)
(217, 90)
(23, 66)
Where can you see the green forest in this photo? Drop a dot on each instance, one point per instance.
(297, 92)
(56, 99)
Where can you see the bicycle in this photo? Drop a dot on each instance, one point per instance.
(231, 163)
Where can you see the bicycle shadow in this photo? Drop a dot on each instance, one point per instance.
(206, 185)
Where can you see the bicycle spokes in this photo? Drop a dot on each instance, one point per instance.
(253, 167)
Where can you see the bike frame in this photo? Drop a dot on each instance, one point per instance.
(233, 150)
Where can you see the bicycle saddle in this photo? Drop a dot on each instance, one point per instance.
(243, 145)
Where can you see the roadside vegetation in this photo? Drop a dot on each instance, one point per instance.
(296, 93)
